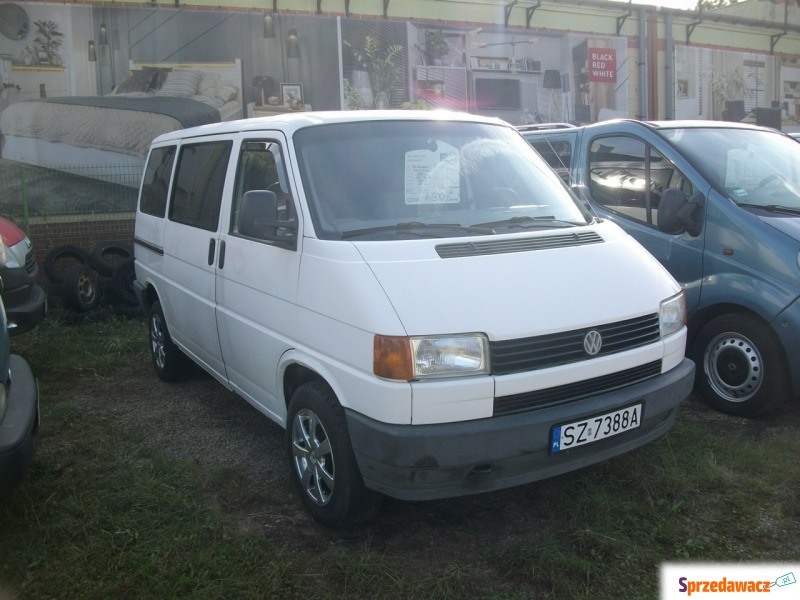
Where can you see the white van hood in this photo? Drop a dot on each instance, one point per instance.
(517, 293)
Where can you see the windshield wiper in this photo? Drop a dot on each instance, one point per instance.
(775, 208)
(527, 222)
(416, 228)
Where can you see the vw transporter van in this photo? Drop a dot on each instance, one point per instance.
(414, 296)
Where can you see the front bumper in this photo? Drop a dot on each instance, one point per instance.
(25, 308)
(19, 425)
(426, 462)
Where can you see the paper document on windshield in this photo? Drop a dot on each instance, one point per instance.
(432, 176)
(744, 169)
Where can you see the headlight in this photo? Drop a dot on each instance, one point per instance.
(423, 357)
(672, 314)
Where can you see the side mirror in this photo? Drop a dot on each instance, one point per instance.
(676, 214)
(258, 218)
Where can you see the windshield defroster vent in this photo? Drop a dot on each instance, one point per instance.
(527, 244)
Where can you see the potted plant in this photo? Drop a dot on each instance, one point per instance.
(729, 90)
(47, 42)
(384, 72)
(434, 47)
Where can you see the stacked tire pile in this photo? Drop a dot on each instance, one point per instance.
(96, 282)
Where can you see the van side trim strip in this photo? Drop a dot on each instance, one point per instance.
(152, 247)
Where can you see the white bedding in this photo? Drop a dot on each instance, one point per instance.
(122, 131)
(56, 135)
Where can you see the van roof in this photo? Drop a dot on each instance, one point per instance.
(291, 122)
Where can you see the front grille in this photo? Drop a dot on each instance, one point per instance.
(540, 352)
(526, 244)
(517, 403)
(30, 263)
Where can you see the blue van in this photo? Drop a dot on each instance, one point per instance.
(718, 204)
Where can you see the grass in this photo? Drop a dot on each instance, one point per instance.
(102, 515)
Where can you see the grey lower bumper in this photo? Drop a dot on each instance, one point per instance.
(19, 425)
(426, 462)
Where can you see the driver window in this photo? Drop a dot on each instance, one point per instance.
(628, 177)
(260, 167)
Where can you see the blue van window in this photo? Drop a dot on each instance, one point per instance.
(628, 177)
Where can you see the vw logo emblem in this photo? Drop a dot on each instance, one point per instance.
(592, 342)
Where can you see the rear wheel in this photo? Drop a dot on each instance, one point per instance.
(171, 364)
(324, 466)
(741, 368)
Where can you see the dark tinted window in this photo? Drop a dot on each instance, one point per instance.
(199, 179)
(156, 181)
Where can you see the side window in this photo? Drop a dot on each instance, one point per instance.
(155, 183)
(628, 176)
(557, 154)
(260, 167)
(199, 179)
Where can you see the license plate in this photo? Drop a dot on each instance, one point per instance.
(572, 435)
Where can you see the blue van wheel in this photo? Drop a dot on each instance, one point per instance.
(741, 368)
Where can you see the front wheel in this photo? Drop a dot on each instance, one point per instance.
(324, 466)
(171, 364)
(741, 368)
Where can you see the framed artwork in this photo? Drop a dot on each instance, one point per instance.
(292, 95)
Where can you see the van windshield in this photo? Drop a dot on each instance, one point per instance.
(386, 180)
(755, 168)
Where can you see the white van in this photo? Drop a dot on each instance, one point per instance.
(415, 296)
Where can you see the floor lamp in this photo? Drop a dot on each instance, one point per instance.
(552, 82)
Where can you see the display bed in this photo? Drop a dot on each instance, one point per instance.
(72, 133)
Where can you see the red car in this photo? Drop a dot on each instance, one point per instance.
(24, 299)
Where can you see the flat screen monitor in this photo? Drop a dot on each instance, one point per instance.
(497, 93)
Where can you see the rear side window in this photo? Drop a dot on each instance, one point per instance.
(155, 183)
(199, 179)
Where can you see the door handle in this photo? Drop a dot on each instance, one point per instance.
(211, 247)
(221, 262)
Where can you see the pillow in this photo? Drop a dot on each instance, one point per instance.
(136, 81)
(180, 83)
(161, 76)
(226, 93)
(208, 80)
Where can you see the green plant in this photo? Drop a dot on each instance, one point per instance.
(384, 72)
(353, 98)
(48, 39)
(727, 86)
(434, 46)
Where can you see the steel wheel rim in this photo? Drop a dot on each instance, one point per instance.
(86, 288)
(157, 341)
(734, 367)
(312, 456)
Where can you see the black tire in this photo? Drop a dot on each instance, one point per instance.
(122, 282)
(323, 464)
(170, 363)
(81, 291)
(59, 259)
(740, 365)
(107, 256)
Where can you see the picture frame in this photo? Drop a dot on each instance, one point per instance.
(292, 95)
